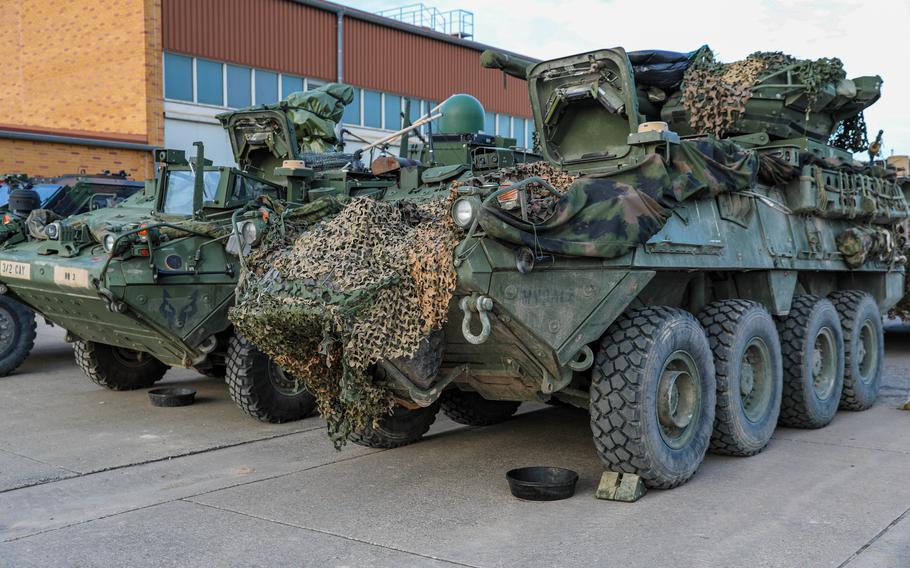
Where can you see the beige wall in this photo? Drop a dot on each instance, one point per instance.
(82, 68)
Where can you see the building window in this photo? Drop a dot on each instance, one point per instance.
(238, 86)
(314, 84)
(266, 87)
(415, 112)
(503, 127)
(519, 125)
(392, 108)
(372, 109)
(290, 84)
(209, 82)
(178, 77)
(489, 123)
(352, 111)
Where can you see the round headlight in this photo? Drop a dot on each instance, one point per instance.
(108, 242)
(463, 212)
(52, 231)
(250, 232)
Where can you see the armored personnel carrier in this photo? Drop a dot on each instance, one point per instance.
(147, 285)
(691, 290)
(61, 196)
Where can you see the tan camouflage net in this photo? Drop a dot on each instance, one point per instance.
(715, 94)
(328, 302)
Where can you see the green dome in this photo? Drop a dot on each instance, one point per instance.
(461, 114)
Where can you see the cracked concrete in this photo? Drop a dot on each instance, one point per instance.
(95, 478)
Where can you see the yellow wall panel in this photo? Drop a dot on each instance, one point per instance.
(47, 159)
(82, 67)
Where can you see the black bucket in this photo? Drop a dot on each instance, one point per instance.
(172, 396)
(542, 483)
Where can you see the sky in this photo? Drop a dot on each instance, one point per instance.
(869, 37)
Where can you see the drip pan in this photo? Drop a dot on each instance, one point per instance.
(172, 396)
(540, 483)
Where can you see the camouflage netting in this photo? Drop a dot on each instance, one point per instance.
(608, 215)
(327, 301)
(715, 94)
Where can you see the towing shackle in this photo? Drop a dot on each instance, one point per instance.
(483, 305)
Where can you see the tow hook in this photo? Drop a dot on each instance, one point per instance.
(483, 305)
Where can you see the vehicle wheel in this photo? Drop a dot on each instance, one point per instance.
(17, 334)
(653, 396)
(812, 344)
(472, 409)
(401, 427)
(864, 349)
(117, 368)
(261, 388)
(749, 374)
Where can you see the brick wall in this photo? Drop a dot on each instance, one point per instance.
(48, 159)
(81, 68)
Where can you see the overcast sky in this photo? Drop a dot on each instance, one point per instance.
(869, 37)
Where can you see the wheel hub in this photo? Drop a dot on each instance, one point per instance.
(747, 378)
(283, 382)
(678, 399)
(824, 364)
(867, 352)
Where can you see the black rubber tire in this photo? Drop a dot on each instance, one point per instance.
(731, 327)
(23, 328)
(472, 409)
(860, 385)
(401, 427)
(111, 367)
(801, 406)
(630, 360)
(249, 380)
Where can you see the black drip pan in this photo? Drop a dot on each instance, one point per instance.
(542, 483)
(172, 396)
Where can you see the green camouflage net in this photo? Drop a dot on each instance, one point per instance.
(328, 301)
(851, 134)
(715, 94)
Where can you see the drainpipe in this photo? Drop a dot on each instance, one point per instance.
(340, 42)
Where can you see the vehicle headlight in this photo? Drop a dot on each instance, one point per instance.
(52, 231)
(463, 211)
(250, 232)
(108, 242)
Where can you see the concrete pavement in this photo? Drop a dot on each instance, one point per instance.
(90, 477)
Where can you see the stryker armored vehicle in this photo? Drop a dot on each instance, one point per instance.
(148, 284)
(691, 291)
(62, 196)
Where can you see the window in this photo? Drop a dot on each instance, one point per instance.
(372, 109)
(314, 84)
(352, 111)
(503, 125)
(178, 197)
(209, 82)
(519, 132)
(290, 84)
(238, 86)
(489, 123)
(178, 77)
(266, 87)
(392, 112)
(415, 110)
(246, 189)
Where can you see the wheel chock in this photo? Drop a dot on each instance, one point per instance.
(626, 487)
